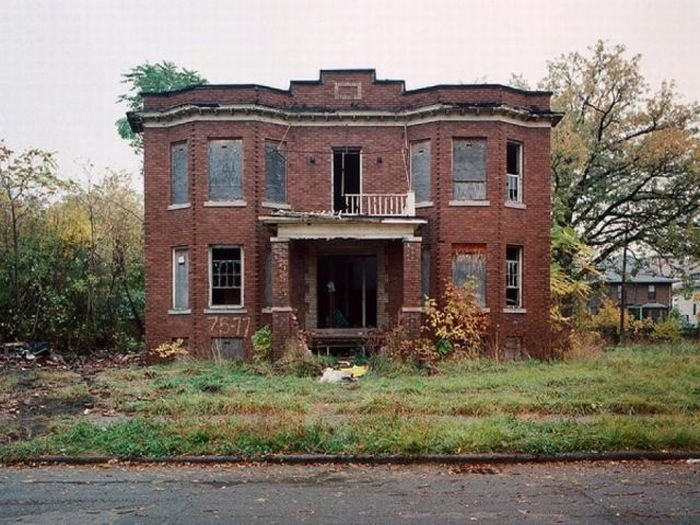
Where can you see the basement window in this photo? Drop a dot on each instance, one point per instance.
(469, 170)
(226, 276)
(227, 349)
(225, 170)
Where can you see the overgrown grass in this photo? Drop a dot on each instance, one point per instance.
(639, 397)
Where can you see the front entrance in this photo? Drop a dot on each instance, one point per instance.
(347, 291)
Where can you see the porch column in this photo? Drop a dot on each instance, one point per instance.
(411, 308)
(281, 301)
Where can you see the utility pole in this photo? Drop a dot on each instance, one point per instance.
(623, 292)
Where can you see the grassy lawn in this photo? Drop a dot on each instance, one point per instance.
(640, 397)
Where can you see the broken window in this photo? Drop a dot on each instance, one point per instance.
(469, 267)
(181, 277)
(514, 174)
(514, 256)
(420, 170)
(226, 276)
(425, 272)
(179, 186)
(275, 172)
(469, 169)
(225, 170)
(227, 348)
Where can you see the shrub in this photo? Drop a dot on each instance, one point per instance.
(459, 327)
(668, 330)
(167, 352)
(262, 343)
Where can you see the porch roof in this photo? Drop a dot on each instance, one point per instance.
(302, 225)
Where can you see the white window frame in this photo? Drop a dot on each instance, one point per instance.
(211, 278)
(174, 307)
(518, 275)
(518, 177)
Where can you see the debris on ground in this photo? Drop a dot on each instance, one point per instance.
(343, 375)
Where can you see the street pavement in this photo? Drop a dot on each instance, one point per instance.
(586, 493)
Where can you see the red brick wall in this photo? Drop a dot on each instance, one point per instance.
(309, 189)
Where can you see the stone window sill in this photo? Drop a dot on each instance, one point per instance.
(516, 205)
(226, 310)
(224, 204)
(266, 310)
(424, 204)
(514, 311)
(179, 312)
(182, 206)
(470, 203)
(276, 205)
(485, 310)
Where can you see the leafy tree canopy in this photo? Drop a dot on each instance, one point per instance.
(151, 78)
(625, 161)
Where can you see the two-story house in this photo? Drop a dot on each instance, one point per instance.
(339, 204)
(646, 296)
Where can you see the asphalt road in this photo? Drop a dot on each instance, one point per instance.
(590, 493)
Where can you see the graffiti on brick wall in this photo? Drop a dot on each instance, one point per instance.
(229, 326)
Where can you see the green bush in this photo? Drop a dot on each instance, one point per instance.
(262, 343)
(668, 330)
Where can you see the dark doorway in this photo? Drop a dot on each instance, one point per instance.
(346, 176)
(347, 291)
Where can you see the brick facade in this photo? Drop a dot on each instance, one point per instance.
(343, 109)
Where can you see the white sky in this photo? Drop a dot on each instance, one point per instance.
(61, 60)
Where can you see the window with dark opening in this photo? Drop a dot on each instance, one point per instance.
(514, 176)
(469, 169)
(514, 276)
(469, 267)
(179, 185)
(346, 181)
(425, 272)
(226, 276)
(225, 170)
(275, 172)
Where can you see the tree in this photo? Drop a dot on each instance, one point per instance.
(151, 78)
(625, 164)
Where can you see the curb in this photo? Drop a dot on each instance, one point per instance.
(320, 459)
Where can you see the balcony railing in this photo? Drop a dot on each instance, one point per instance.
(382, 204)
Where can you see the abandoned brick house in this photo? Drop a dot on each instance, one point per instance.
(338, 204)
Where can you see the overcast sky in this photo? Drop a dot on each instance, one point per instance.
(61, 60)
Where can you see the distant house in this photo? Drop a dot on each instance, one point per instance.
(687, 301)
(646, 296)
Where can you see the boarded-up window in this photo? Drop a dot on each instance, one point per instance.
(227, 349)
(469, 266)
(225, 170)
(469, 169)
(181, 278)
(275, 172)
(179, 193)
(226, 276)
(420, 171)
(425, 272)
(514, 255)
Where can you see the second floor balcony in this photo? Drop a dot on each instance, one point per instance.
(377, 204)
